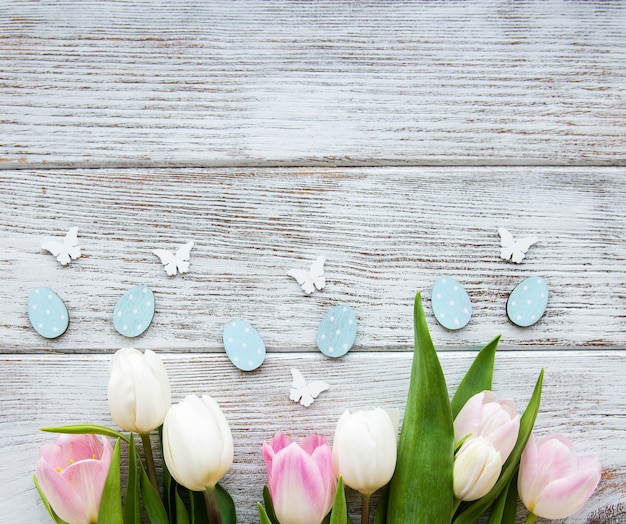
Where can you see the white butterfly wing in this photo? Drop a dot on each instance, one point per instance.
(507, 243)
(167, 259)
(303, 391)
(314, 278)
(303, 278)
(317, 273)
(64, 251)
(297, 385)
(182, 257)
(58, 250)
(175, 262)
(312, 390)
(71, 243)
(511, 249)
(521, 246)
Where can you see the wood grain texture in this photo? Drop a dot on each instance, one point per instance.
(579, 401)
(300, 83)
(386, 233)
(392, 137)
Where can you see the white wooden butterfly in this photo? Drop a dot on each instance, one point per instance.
(511, 249)
(64, 251)
(174, 262)
(314, 278)
(303, 391)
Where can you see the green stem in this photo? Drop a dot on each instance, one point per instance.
(365, 508)
(147, 450)
(530, 519)
(211, 506)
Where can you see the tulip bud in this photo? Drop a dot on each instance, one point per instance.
(365, 449)
(300, 478)
(71, 474)
(139, 390)
(477, 466)
(483, 415)
(553, 482)
(197, 443)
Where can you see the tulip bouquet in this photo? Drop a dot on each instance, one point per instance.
(79, 477)
(456, 459)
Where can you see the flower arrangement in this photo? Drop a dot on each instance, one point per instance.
(455, 460)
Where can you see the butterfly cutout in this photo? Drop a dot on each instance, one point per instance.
(64, 251)
(314, 278)
(511, 249)
(303, 391)
(175, 262)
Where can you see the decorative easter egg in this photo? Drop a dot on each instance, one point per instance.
(527, 302)
(243, 344)
(337, 331)
(47, 313)
(451, 303)
(134, 311)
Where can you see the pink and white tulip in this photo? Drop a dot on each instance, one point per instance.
(485, 416)
(71, 474)
(300, 478)
(553, 482)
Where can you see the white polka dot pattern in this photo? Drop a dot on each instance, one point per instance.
(451, 303)
(527, 302)
(47, 313)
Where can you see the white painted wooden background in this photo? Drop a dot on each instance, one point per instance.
(392, 137)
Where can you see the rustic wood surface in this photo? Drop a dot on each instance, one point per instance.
(300, 83)
(392, 137)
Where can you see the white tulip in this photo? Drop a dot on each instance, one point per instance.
(197, 443)
(365, 449)
(477, 466)
(139, 390)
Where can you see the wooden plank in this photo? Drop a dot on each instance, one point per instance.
(579, 400)
(386, 233)
(300, 83)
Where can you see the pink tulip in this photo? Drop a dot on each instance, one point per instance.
(71, 474)
(553, 482)
(300, 478)
(484, 415)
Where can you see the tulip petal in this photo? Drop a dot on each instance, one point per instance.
(564, 497)
(298, 492)
(60, 494)
(197, 443)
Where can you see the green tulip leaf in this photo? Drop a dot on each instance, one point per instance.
(421, 488)
(225, 505)
(111, 503)
(478, 377)
(263, 517)
(87, 429)
(152, 503)
(46, 504)
(269, 505)
(182, 517)
(471, 513)
(339, 513)
(505, 509)
(132, 508)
